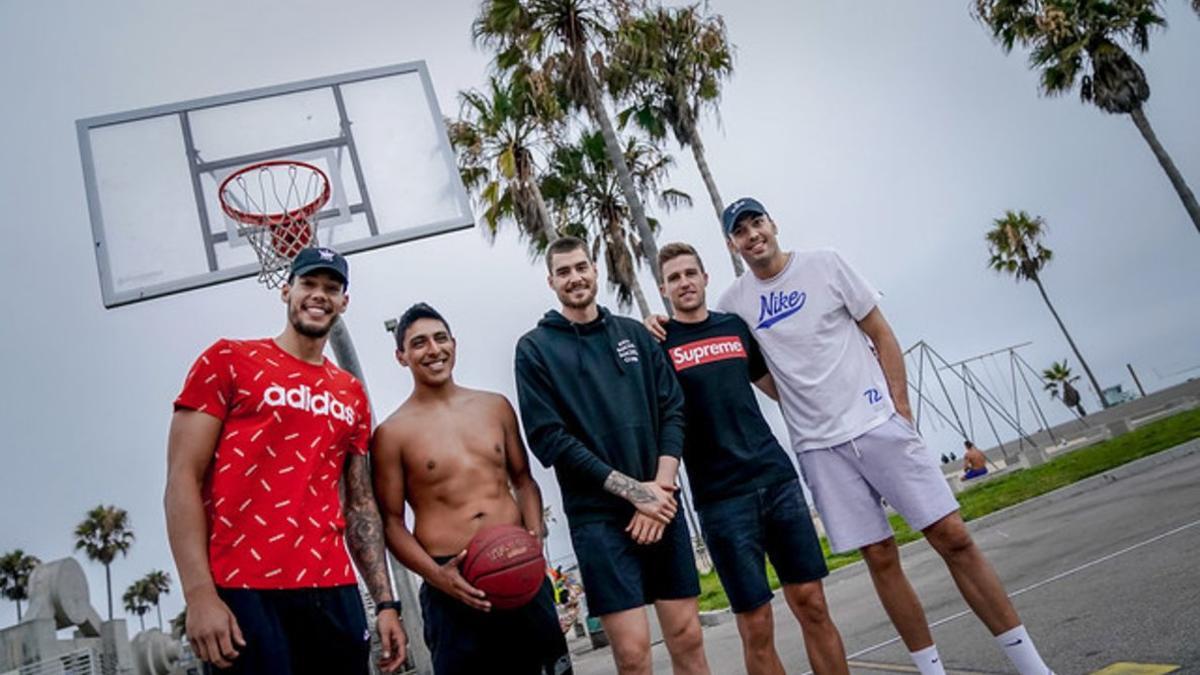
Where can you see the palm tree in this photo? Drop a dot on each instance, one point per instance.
(1079, 41)
(136, 601)
(15, 568)
(584, 188)
(1060, 383)
(1015, 244)
(565, 36)
(102, 535)
(179, 624)
(157, 584)
(668, 63)
(496, 136)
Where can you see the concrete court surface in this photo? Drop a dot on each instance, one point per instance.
(1103, 574)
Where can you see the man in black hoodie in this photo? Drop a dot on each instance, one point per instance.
(600, 404)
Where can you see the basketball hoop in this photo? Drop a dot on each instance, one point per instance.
(277, 224)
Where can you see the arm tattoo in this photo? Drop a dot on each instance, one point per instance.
(364, 529)
(627, 488)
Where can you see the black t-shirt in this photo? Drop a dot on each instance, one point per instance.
(728, 448)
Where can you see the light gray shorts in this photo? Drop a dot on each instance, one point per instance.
(890, 462)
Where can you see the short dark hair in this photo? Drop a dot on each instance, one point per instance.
(968, 444)
(414, 314)
(674, 250)
(565, 245)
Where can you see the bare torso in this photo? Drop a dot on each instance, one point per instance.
(974, 460)
(456, 476)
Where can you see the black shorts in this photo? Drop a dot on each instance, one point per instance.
(523, 641)
(619, 573)
(741, 531)
(302, 631)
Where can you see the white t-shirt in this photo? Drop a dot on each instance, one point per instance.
(831, 386)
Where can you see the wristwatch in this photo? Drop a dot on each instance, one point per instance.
(387, 604)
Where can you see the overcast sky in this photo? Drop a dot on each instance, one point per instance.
(894, 132)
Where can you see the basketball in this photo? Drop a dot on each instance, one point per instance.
(505, 562)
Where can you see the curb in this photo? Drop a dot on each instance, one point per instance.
(1099, 480)
(1088, 484)
(716, 617)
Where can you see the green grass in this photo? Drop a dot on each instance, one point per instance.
(1016, 487)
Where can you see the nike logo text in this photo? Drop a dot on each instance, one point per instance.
(777, 306)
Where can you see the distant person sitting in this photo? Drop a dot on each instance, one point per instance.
(974, 461)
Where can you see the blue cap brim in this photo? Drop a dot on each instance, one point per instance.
(309, 269)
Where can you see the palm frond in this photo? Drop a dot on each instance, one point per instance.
(1079, 41)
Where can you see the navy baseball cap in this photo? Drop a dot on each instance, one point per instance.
(742, 207)
(310, 260)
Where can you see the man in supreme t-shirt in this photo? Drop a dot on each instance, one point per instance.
(746, 491)
(264, 434)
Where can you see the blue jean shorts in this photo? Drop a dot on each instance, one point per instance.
(619, 573)
(742, 531)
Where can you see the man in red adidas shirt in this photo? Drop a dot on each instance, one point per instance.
(264, 434)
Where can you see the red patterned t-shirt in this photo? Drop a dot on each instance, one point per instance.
(271, 492)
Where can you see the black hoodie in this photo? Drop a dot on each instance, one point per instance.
(595, 398)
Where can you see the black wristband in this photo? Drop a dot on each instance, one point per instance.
(387, 604)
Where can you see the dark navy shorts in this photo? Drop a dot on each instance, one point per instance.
(619, 574)
(741, 531)
(523, 641)
(299, 631)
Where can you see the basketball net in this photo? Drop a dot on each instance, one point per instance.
(276, 205)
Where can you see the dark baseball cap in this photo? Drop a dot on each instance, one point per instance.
(739, 208)
(310, 260)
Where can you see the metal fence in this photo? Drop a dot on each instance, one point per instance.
(81, 662)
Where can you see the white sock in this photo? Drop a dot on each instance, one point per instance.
(1019, 649)
(928, 661)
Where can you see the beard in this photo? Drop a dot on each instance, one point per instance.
(567, 301)
(695, 302)
(309, 330)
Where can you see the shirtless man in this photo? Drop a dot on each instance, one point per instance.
(452, 453)
(974, 461)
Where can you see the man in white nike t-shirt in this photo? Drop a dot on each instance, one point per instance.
(842, 387)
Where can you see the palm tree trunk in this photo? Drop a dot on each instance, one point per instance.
(158, 608)
(18, 610)
(527, 183)
(142, 621)
(616, 155)
(548, 229)
(640, 297)
(711, 185)
(1091, 378)
(1185, 193)
(625, 269)
(108, 585)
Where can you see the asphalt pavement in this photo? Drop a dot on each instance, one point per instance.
(1103, 574)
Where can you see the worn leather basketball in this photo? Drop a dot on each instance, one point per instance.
(505, 562)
